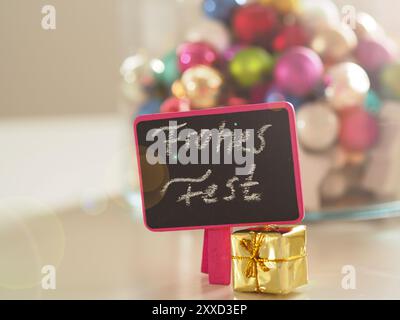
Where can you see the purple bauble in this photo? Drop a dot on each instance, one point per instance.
(298, 71)
(191, 54)
(373, 54)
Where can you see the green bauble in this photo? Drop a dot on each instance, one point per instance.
(166, 70)
(390, 80)
(250, 66)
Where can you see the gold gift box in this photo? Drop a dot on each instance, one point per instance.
(270, 259)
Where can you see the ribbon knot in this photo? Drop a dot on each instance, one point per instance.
(254, 260)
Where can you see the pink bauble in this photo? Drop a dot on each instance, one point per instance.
(191, 54)
(359, 129)
(173, 104)
(373, 54)
(298, 71)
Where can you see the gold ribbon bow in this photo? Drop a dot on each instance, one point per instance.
(254, 260)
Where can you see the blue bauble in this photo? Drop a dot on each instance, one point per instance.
(275, 95)
(149, 107)
(295, 101)
(220, 9)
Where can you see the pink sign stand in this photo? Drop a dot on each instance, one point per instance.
(216, 259)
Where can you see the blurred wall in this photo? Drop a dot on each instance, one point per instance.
(68, 70)
(74, 69)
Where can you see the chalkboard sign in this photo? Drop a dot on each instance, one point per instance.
(219, 167)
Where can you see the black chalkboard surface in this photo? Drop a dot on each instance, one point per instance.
(219, 167)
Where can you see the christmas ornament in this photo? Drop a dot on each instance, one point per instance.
(135, 68)
(348, 85)
(258, 92)
(373, 54)
(174, 104)
(249, 66)
(317, 126)
(334, 185)
(317, 14)
(133, 92)
(295, 101)
(149, 107)
(236, 101)
(219, 9)
(283, 6)
(212, 32)
(344, 158)
(390, 79)
(359, 130)
(290, 36)
(178, 90)
(337, 108)
(166, 70)
(202, 86)
(196, 53)
(231, 52)
(298, 71)
(274, 95)
(318, 164)
(383, 162)
(367, 27)
(334, 43)
(254, 23)
(372, 102)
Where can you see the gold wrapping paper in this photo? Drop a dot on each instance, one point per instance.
(270, 259)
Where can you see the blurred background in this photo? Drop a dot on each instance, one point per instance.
(66, 71)
(68, 192)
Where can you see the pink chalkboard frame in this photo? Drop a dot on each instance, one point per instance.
(224, 110)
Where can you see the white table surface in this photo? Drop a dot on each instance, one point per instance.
(110, 255)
